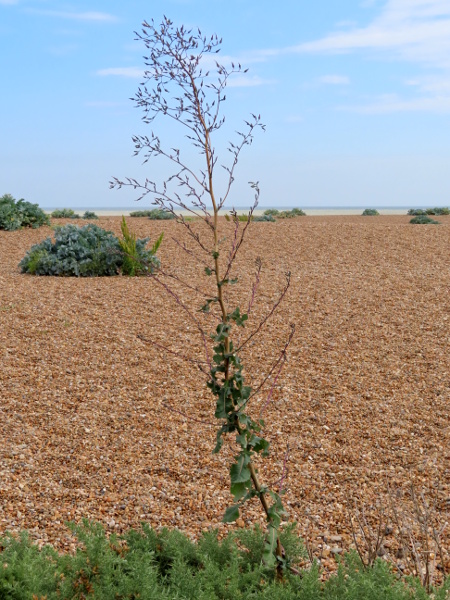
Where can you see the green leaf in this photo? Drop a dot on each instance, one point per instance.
(269, 556)
(239, 471)
(157, 244)
(231, 514)
(238, 490)
(208, 271)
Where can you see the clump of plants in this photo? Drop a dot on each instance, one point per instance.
(64, 213)
(16, 214)
(429, 211)
(89, 215)
(155, 214)
(290, 214)
(264, 218)
(89, 251)
(284, 214)
(370, 212)
(423, 220)
(176, 85)
(151, 565)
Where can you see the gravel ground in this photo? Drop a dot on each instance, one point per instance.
(360, 411)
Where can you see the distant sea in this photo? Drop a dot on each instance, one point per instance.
(313, 211)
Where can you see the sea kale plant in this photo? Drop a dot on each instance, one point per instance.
(180, 85)
(90, 251)
(18, 214)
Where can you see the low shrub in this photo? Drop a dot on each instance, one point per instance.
(155, 214)
(273, 212)
(87, 251)
(264, 217)
(147, 564)
(423, 220)
(290, 214)
(64, 213)
(89, 215)
(18, 214)
(429, 211)
(370, 212)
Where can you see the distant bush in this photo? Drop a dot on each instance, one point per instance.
(17, 214)
(89, 215)
(370, 212)
(64, 213)
(290, 214)
(87, 251)
(272, 212)
(264, 217)
(155, 214)
(438, 211)
(429, 211)
(423, 220)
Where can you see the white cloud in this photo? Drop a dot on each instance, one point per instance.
(132, 72)
(416, 30)
(248, 81)
(334, 80)
(392, 103)
(76, 16)
(9, 2)
(237, 80)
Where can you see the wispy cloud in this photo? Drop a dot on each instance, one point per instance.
(76, 16)
(132, 72)
(416, 30)
(8, 2)
(248, 81)
(238, 80)
(334, 80)
(104, 104)
(392, 103)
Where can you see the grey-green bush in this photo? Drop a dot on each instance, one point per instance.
(155, 214)
(89, 215)
(64, 213)
(87, 251)
(265, 218)
(18, 214)
(423, 220)
(370, 212)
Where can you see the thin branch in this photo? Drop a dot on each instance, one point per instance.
(267, 317)
(198, 363)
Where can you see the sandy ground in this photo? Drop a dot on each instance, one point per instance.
(362, 406)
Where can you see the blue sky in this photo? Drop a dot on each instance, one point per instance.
(355, 95)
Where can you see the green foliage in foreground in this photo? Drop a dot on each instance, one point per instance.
(64, 213)
(18, 214)
(167, 565)
(429, 211)
(423, 220)
(155, 214)
(370, 212)
(89, 251)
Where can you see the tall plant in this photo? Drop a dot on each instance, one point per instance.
(177, 86)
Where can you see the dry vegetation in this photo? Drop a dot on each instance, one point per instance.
(363, 402)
